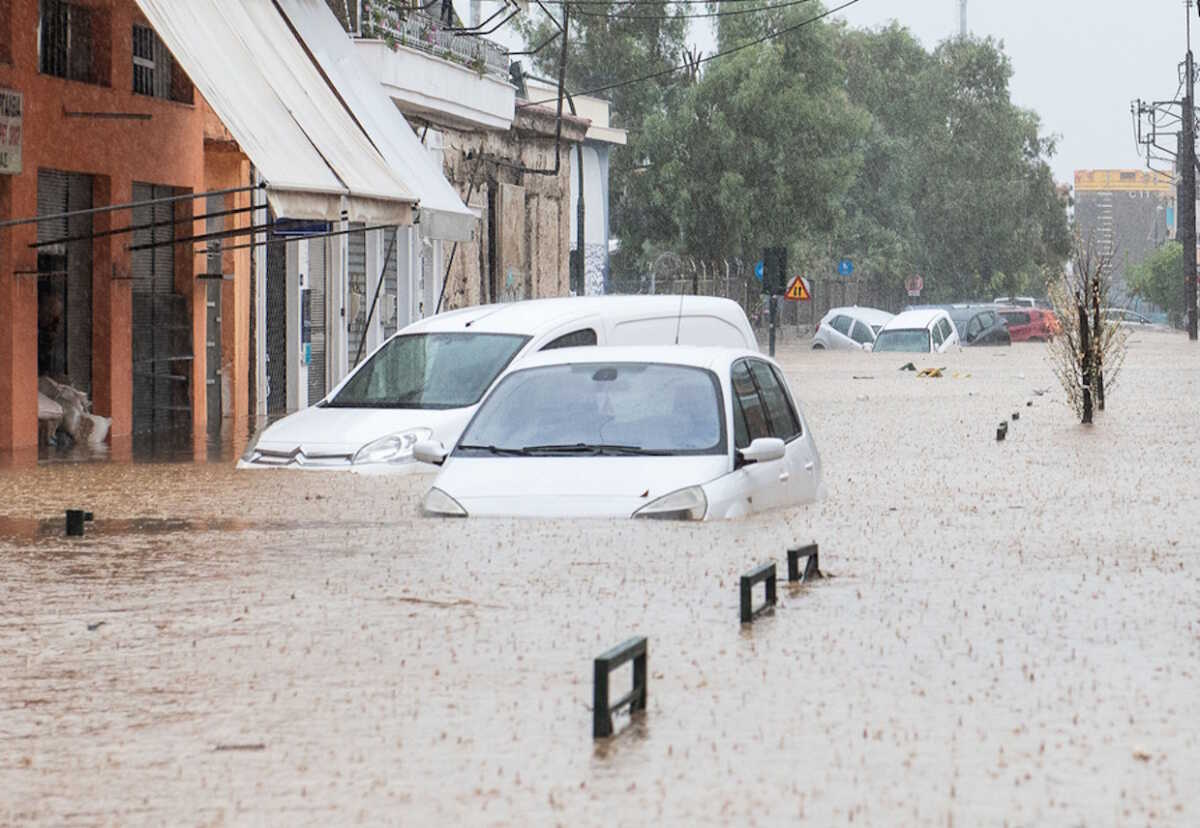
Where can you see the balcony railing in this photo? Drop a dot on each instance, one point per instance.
(417, 29)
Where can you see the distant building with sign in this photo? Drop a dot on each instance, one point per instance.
(1129, 211)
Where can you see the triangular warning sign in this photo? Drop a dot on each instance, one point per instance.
(797, 291)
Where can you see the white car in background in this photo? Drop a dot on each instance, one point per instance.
(849, 329)
(1016, 301)
(425, 381)
(656, 432)
(922, 331)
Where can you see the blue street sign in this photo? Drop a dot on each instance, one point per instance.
(758, 270)
(845, 267)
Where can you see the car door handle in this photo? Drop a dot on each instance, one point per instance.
(784, 477)
(808, 466)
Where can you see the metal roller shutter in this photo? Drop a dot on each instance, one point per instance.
(276, 328)
(387, 297)
(162, 330)
(317, 280)
(356, 311)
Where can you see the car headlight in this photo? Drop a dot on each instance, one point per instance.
(441, 504)
(684, 504)
(392, 448)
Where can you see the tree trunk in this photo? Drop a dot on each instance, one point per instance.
(1097, 342)
(1085, 361)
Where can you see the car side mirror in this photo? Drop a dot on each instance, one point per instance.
(430, 451)
(868, 346)
(762, 450)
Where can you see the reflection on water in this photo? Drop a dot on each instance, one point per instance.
(179, 446)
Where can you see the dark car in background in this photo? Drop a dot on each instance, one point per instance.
(976, 324)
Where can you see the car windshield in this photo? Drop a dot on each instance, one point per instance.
(434, 370)
(617, 409)
(914, 340)
(960, 317)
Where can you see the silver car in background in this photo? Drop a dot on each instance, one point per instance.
(849, 329)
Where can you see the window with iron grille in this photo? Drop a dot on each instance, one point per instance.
(65, 41)
(155, 72)
(5, 33)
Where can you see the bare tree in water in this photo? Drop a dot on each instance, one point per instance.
(1088, 354)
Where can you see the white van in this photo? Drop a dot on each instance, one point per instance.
(425, 382)
(929, 330)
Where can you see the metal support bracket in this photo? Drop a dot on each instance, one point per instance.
(632, 650)
(766, 573)
(812, 567)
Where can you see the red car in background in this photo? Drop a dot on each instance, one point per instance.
(1030, 324)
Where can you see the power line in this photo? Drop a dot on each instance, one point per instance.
(619, 16)
(672, 70)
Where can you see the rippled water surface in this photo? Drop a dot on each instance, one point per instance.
(1011, 632)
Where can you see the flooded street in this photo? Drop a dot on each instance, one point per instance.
(1011, 632)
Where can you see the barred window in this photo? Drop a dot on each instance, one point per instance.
(155, 72)
(65, 41)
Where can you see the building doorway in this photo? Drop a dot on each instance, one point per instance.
(64, 266)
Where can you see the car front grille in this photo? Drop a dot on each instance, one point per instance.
(299, 459)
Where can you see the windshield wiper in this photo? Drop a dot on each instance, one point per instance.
(508, 452)
(592, 448)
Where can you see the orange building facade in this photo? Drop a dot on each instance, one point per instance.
(157, 335)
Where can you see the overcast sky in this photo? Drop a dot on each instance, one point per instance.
(1077, 63)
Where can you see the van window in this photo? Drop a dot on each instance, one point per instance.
(944, 327)
(937, 336)
(575, 339)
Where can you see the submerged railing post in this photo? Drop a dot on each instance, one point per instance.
(766, 573)
(634, 649)
(812, 567)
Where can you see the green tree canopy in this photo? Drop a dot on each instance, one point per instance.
(1159, 279)
(831, 140)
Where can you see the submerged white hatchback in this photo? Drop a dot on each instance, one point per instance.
(656, 432)
(426, 381)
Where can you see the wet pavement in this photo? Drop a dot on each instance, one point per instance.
(1011, 632)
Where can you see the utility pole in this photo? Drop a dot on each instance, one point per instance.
(962, 18)
(1187, 182)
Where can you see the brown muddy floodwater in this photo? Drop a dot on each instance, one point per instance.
(1011, 635)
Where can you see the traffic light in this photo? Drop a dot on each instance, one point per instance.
(774, 270)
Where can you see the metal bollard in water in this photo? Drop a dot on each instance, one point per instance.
(634, 649)
(75, 521)
(811, 565)
(765, 573)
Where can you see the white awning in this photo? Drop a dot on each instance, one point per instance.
(247, 63)
(442, 213)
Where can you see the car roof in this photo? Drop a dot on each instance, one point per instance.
(872, 316)
(921, 318)
(534, 316)
(694, 356)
